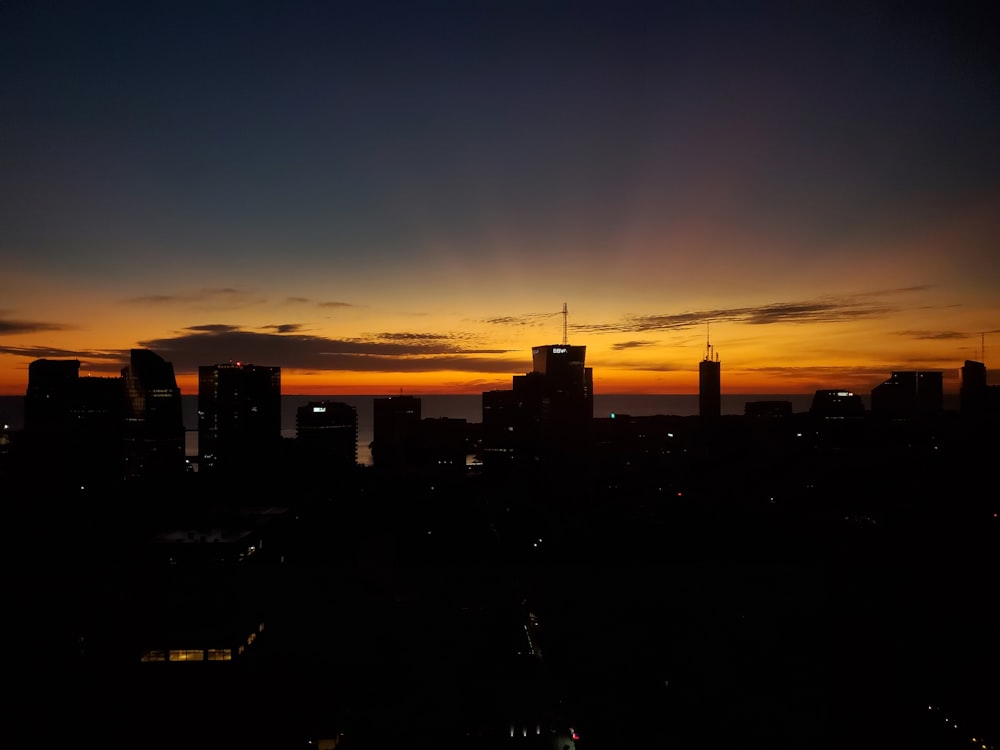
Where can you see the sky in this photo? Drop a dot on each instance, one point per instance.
(384, 197)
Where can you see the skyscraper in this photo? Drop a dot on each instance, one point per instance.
(710, 384)
(326, 434)
(154, 422)
(395, 431)
(548, 413)
(978, 399)
(72, 424)
(566, 384)
(239, 415)
(909, 394)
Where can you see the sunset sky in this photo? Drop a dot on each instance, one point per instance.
(385, 196)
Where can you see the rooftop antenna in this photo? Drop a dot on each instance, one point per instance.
(708, 343)
(565, 314)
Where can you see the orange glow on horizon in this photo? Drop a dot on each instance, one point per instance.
(606, 381)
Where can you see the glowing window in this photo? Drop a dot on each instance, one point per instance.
(187, 654)
(220, 654)
(154, 655)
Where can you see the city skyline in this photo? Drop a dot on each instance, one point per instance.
(401, 197)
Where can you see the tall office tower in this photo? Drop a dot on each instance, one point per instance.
(326, 434)
(547, 415)
(72, 424)
(909, 394)
(511, 420)
(52, 385)
(443, 445)
(974, 392)
(396, 431)
(239, 416)
(566, 384)
(710, 384)
(154, 422)
(837, 404)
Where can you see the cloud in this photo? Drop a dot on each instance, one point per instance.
(212, 344)
(429, 337)
(640, 367)
(285, 327)
(335, 304)
(11, 326)
(110, 361)
(213, 328)
(527, 319)
(226, 297)
(932, 335)
(624, 345)
(297, 300)
(827, 310)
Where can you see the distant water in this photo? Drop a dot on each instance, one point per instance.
(468, 407)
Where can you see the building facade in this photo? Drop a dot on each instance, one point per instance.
(710, 385)
(326, 434)
(239, 416)
(908, 395)
(154, 422)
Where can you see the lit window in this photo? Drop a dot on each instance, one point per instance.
(220, 654)
(154, 655)
(187, 654)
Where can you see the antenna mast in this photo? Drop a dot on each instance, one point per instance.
(565, 314)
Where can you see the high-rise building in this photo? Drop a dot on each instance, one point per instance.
(710, 384)
(909, 394)
(154, 422)
(395, 431)
(566, 385)
(239, 416)
(326, 433)
(546, 416)
(836, 404)
(72, 424)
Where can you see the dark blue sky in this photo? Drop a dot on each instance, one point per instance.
(171, 148)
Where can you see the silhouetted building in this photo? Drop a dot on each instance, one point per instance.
(710, 385)
(239, 416)
(395, 431)
(566, 384)
(72, 424)
(909, 395)
(444, 445)
(327, 434)
(510, 426)
(549, 411)
(53, 386)
(767, 409)
(978, 399)
(154, 422)
(837, 404)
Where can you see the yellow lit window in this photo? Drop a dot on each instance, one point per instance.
(187, 654)
(154, 655)
(220, 654)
